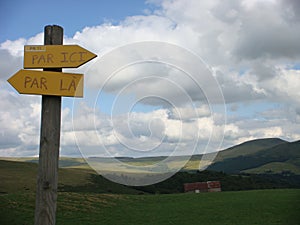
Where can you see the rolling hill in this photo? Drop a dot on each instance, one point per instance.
(19, 177)
(270, 155)
(248, 147)
(260, 156)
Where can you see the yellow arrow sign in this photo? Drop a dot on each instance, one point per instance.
(47, 83)
(55, 56)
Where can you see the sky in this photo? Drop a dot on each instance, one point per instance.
(172, 77)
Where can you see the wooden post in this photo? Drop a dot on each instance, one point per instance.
(46, 195)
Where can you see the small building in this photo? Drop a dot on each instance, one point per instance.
(196, 187)
(209, 186)
(214, 186)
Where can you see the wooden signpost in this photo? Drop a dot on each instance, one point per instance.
(51, 83)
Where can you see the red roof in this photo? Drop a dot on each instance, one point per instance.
(201, 186)
(195, 186)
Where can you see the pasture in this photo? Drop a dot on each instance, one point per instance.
(267, 207)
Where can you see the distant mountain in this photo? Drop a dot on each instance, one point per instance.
(18, 177)
(248, 147)
(260, 156)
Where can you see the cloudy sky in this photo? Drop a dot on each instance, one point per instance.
(171, 77)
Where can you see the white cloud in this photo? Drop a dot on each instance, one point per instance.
(190, 113)
(19, 123)
(249, 45)
(286, 86)
(16, 48)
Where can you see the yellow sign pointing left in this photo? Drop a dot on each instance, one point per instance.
(47, 83)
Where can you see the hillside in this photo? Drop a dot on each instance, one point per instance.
(271, 155)
(284, 157)
(248, 147)
(21, 176)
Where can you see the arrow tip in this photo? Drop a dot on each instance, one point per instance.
(12, 80)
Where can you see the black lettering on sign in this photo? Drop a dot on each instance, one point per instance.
(65, 86)
(72, 85)
(26, 81)
(81, 56)
(49, 58)
(61, 86)
(43, 83)
(35, 82)
(65, 57)
(34, 58)
(72, 57)
(42, 58)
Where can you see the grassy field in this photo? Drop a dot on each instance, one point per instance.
(267, 207)
(86, 204)
(275, 167)
(18, 176)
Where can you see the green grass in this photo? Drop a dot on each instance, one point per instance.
(64, 162)
(248, 148)
(18, 176)
(263, 207)
(275, 167)
(267, 207)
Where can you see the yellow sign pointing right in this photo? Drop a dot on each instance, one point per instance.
(55, 56)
